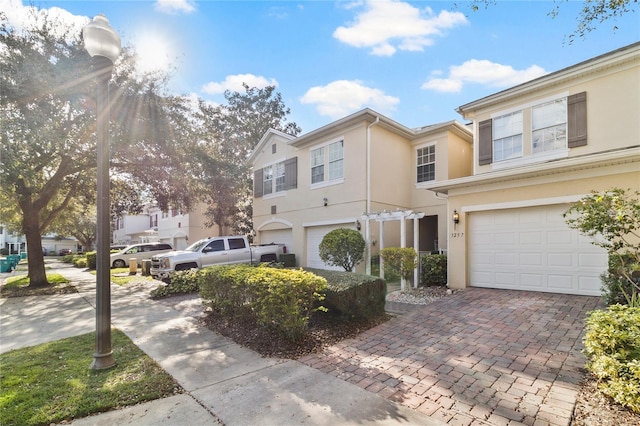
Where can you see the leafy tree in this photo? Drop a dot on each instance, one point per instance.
(342, 247)
(592, 13)
(229, 133)
(612, 217)
(47, 137)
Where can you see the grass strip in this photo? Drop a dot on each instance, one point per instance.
(52, 382)
(18, 286)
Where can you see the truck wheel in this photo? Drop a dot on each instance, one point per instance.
(186, 266)
(119, 263)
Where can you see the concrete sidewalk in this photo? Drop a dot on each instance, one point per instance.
(224, 382)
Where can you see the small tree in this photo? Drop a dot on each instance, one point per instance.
(342, 247)
(403, 260)
(612, 217)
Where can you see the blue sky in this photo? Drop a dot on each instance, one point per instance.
(414, 61)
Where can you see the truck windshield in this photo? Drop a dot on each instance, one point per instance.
(197, 245)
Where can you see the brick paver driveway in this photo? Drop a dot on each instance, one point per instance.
(479, 356)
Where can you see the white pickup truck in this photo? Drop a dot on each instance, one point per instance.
(214, 251)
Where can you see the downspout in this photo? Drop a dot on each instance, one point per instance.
(367, 227)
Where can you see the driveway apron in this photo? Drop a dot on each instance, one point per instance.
(480, 356)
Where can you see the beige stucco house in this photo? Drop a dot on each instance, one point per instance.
(364, 172)
(507, 178)
(538, 147)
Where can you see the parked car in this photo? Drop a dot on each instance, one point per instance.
(118, 247)
(64, 252)
(139, 252)
(214, 251)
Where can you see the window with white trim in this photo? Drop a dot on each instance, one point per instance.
(549, 126)
(330, 159)
(279, 176)
(426, 163)
(267, 180)
(507, 136)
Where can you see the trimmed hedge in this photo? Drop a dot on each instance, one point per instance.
(612, 344)
(282, 299)
(182, 282)
(433, 269)
(353, 296)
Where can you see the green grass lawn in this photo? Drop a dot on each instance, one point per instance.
(18, 285)
(52, 382)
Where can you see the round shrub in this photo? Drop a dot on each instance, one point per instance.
(342, 247)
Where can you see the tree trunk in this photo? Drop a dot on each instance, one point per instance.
(31, 229)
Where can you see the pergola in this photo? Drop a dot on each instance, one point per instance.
(386, 216)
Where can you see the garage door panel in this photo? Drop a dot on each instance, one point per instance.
(531, 238)
(506, 238)
(531, 259)
(279, 236)
(559, 237)
(532, 249)
(589, 284)
(562, 260)
(560, 282)
(507, 259)
(531, 281)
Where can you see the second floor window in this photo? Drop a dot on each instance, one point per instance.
(549, 125)
(268, 180)
(279, 176)
(426, 163)
(327, 162)
(153, 221)
(276, 178)
(507, 136)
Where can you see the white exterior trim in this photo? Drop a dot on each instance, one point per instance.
(524, 203)
(351, 220)
(274, 220)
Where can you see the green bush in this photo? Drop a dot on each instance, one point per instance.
(433, 271)
(91, 259)
(80, 262)
(342, 247)
(182, 282)
(353, 296)
(616, 287)
(282, 299)
(390, 274)
(224, 288)
(612, 344)
(403, 260)
(4, 251)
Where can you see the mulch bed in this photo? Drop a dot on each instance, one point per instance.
(324, 330)
(595, 409)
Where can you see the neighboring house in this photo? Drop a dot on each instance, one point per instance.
(538, 147)
(12, 241)
(180, 229)
(51, 244)
(364, 172)
(174, 227)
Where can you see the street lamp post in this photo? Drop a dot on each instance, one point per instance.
(103, 44)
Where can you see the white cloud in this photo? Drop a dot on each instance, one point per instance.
(340, 98)
(20, 17)
(234, 83)
(482, 72)
(174, 7)
(387, 25)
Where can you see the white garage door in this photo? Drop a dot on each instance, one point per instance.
(315, 235)
(280, 236)
(532, 249)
